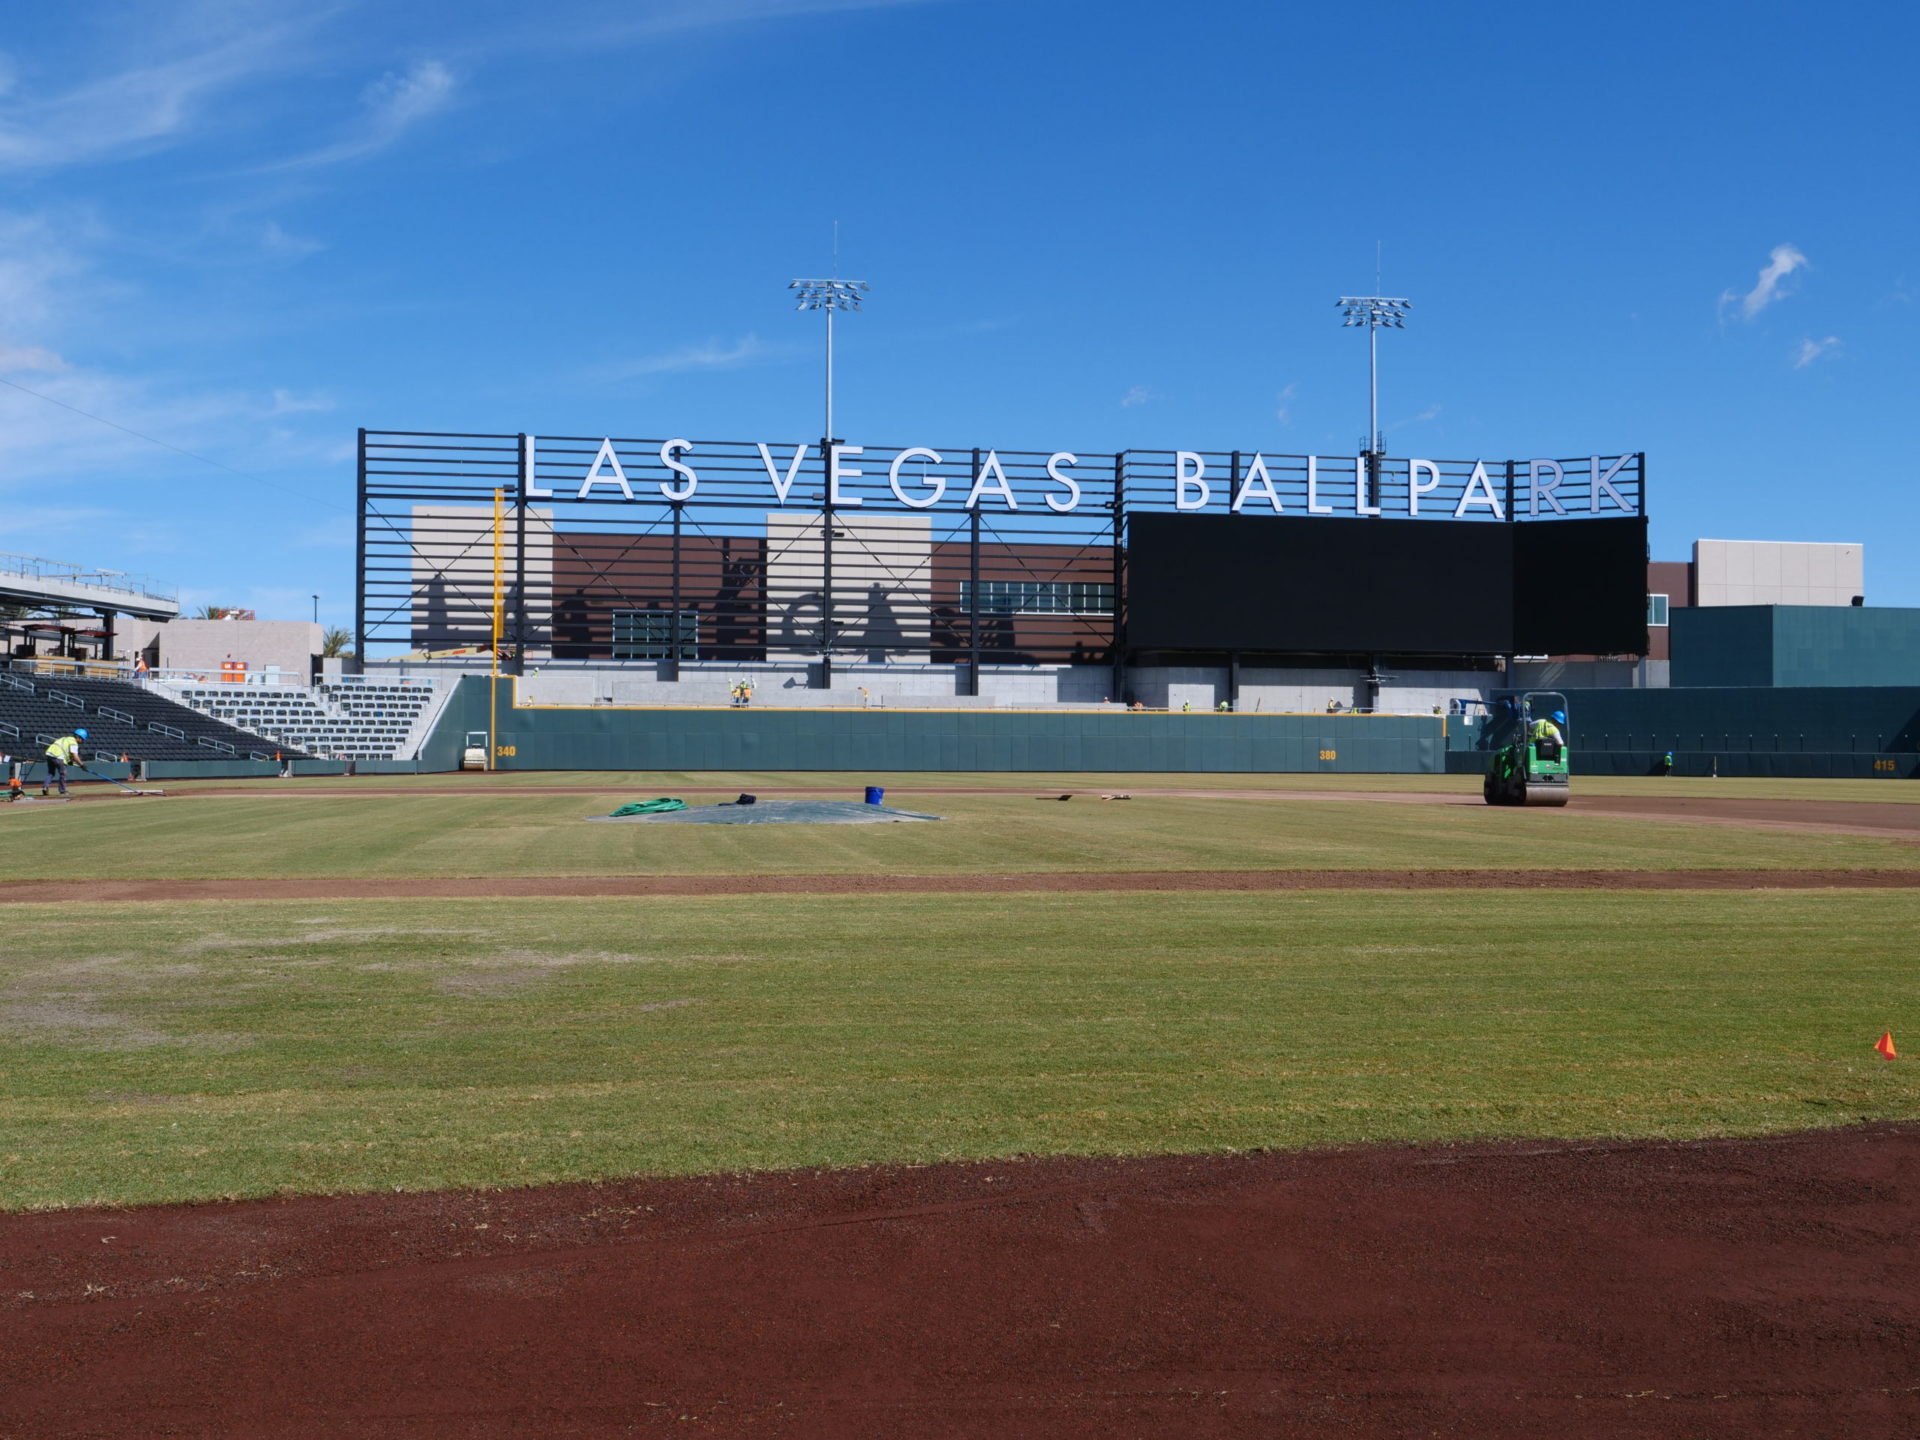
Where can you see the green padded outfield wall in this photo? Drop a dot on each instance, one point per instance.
(611, 738)
(1856, 731)
(1795, 645)
(464, 713)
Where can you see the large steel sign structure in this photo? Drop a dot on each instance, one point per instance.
(673, 550)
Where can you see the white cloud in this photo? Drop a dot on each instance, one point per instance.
(285, 402)
(1811, 350)
(178, 61)
(41, 257)
(1432, 412)
(45, 439)
(202, 50)
(49, 300)
(55, 520)
(637, 23)
(394, 104)
(1283, 405)
(26, 359)
(278, 243)
(1138, 395)
(1781, 263)
(713, 354)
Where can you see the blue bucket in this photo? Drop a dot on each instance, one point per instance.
(875, 794)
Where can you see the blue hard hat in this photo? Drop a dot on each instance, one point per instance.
(81, 733)
(1559, 717)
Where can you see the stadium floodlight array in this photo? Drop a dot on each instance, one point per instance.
(1372, 310)
(828, 295)
(1374, 313)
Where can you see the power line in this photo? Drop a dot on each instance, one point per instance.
(164, 445)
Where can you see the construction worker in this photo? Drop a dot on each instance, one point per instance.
(60, 754)
(1547, 734)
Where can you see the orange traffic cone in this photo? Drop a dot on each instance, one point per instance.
(1885, 1046)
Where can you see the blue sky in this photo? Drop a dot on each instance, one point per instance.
(245, 228)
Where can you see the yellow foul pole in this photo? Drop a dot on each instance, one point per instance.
(499, 610)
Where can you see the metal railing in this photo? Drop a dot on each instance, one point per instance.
(278, 679)
(222, 746)
(35, 567)
(109, 713)
(82, 669)
(160, 729)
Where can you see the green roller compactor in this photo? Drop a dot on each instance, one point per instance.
(1527, 733)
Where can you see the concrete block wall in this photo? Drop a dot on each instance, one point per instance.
(1202, 687)
(1406, 692)
(1587, 674)
(790, 686)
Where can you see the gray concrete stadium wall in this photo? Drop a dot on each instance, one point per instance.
(1796, 646)
(609, 738)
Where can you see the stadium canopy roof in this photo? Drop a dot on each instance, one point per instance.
(29, 580)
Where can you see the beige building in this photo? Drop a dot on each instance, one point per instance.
(1777, 572)
(452, 583)
(273, 651)
(882, 581)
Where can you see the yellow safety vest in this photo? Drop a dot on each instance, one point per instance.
(66, 750)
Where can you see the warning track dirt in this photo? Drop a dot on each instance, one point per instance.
(1757, 1287)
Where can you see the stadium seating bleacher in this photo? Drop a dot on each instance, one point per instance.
(343, 720)
(121, 718)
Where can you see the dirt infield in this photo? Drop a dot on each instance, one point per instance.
(1684, 1290)
(25, 892)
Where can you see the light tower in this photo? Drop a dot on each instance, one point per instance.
(1375, 312)
(828, 295)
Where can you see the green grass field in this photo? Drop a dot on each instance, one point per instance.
(186, 1050)
(485, 832)
(169, 1052)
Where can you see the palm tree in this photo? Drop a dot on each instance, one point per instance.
(336, 643)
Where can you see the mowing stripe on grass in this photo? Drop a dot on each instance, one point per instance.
(172, 1052)
(18, 892)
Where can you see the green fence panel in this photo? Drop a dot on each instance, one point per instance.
(321, 767)
(211, 769)
(608, 738)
